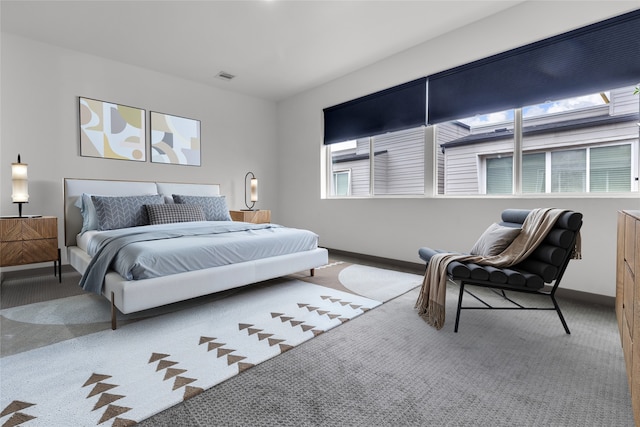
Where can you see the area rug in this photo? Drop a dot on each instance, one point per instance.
(121, 377)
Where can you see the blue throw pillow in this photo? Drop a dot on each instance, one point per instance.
(123, 212)
(215, 207)
(88, 212)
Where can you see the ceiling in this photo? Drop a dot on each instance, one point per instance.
(274, 48)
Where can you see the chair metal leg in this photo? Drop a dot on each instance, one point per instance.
(564, 323)
(455, 329)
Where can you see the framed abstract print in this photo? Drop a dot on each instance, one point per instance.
(175, 140)
(112, 131)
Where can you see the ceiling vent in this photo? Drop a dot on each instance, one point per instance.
(225, 76)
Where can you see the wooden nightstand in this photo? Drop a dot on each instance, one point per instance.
(256, 217)
(30, 240)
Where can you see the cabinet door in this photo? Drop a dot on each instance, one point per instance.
(10, 230)
(39, 250)
(10, 253)
(635, 332)
(620, 268)
(39, 228)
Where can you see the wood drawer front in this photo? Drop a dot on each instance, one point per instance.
(635, 333)
(28, 240)
(255, 217)
(630, 242)
(41, 250)
(10, 253)
(620, 268)
(10, 230)
(627, 349)
(629, 297)
(39, 228)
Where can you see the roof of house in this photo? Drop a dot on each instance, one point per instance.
(566, 125)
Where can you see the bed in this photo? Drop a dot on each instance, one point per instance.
(255, 257)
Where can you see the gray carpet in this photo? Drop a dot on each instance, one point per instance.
(37, 285)
(388, 367)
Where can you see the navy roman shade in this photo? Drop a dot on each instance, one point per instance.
(604, 55)
(397, 108)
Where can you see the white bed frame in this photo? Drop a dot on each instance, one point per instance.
(132, 296)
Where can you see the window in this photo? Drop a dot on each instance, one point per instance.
(584, 140)
(580, 144)
(341, 183)
(568, 171)
(499, 175)
(396, 167)
(475, 155)
(610, 168)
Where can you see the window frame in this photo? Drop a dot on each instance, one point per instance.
(334, 183)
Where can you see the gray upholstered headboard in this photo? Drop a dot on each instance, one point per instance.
(73, 188)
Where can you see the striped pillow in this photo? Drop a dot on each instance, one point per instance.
(215, 207)
(170, 213)
(115, 212)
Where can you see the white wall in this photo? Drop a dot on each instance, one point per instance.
(40, 86)
(396, 227)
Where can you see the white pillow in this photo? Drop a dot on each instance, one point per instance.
(494, 240)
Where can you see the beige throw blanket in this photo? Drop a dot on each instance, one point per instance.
(432, 298)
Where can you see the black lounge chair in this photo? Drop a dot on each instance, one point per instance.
(546, 264)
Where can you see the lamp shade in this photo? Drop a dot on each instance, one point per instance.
(254, 189)
(20, 183)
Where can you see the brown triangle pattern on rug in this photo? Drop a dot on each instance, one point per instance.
(242, 366)
(325, 312)
(190, 391)
(157, 356)
(274, 341)
(95, 378)
(15, 406)
(285, 347)
(100, 388)
(214, 345)
(231, 358)
(122, 422)
(113, 411)
(206, 339)
(164, 364)
(182, 382)
(343, 303)
(262, 336)
(224, 352)
(176, 373)
(271, 341)
(300, 323)
(173, 372)
(106, 399)
(18, 417)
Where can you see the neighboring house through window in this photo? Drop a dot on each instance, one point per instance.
(580, 144)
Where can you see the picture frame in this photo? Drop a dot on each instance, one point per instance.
(112, 131)
(175, 140)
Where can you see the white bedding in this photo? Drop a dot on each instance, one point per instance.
(204, 245)
(83, 239)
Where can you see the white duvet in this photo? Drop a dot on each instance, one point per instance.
(232, 243)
